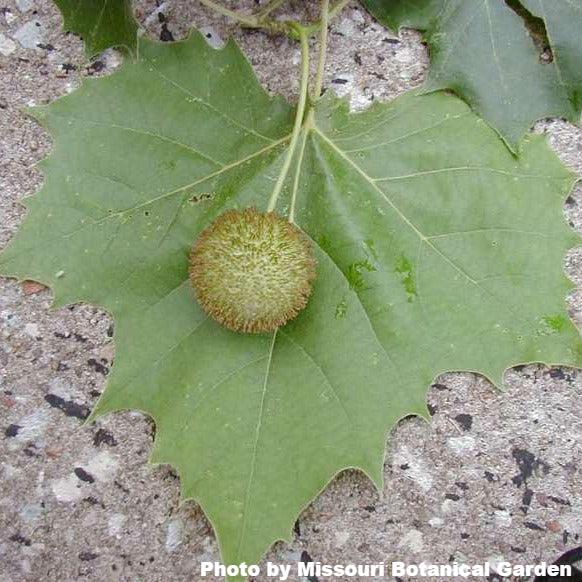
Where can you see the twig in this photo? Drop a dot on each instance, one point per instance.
(270, 7)
(338, 8)
(242, 18)
(335, 10)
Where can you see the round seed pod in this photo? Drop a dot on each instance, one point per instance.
(252, 271)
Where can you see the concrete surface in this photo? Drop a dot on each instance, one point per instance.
(495, 475)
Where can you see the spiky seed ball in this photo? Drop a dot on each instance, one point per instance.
(252, 271)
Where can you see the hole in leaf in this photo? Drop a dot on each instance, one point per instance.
(201, 197)
(536, 28)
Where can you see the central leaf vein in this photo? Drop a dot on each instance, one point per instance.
(255, 446)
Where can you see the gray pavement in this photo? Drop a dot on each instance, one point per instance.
(495, 475)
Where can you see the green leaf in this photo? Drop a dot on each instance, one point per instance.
(102, 24)
(438, 250)
(412, 13)
(481, 49)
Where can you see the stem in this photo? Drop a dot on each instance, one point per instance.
(242, 18)
(270, 7)
(251, 21)
(287, 27)
(336, 9)
(303, 37)
(322, 50)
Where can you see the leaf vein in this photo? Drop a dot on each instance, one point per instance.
(143, 132)
(199, 99)
(255, 446)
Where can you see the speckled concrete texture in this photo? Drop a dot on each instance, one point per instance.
(496, 475)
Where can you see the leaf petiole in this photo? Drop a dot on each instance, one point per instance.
(299, 115)
(322, 50)
(296, 30)
(315, 96)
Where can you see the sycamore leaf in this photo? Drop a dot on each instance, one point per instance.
(438, 250)
(481, 49)
(102, 24)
